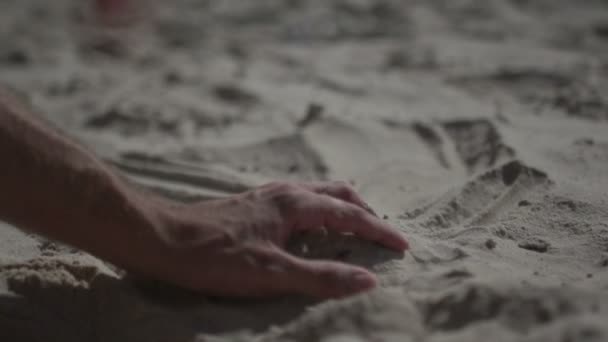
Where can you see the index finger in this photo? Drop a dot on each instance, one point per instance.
(339, 190)
(334, 214)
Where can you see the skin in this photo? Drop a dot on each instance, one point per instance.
(230, 247)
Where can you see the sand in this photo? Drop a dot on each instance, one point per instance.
(478, 128)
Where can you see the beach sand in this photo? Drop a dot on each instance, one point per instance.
(478, 128)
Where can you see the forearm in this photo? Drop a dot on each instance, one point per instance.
(54, 187)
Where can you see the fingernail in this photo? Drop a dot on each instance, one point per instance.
(360, 281)
(400, 245)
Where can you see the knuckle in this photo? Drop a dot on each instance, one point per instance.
(287, 200)
(345, 189)
(281, 194)
(350, 213)
(281, 187)
(272, 185)
(288, 188)
(342, 183)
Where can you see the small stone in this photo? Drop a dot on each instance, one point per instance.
(313, 113)
(385, 217)
(535, 245)
(589, 275)
(232, 93)
(343, 254)
(490, 244)
(603, 261)
(601, 30)
(17, 57)
(524, 203)
(293, 168)
(462, 273)
(397, 60)
(584, 142)
(173, 78)
(567, 205)
(108, 46)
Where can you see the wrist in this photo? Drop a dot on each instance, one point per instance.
(120, 226)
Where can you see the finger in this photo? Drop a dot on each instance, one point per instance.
(321, 210)
(269, 271)
(323, 279)
(339, 190)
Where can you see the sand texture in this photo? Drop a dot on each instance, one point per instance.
(479, 128)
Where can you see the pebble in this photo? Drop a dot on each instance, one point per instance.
(16, 57)
(535, 244)
(524, 203)
(490, 244)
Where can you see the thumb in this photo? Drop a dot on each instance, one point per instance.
(326, 279)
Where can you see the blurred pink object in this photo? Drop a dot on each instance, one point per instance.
(118, 12)
(111, 6)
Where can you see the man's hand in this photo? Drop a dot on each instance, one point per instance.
(234, 246)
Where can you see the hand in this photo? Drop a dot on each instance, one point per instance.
(234, 246)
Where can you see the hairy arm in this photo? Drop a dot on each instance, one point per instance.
(233, 246)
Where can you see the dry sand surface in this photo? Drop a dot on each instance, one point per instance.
(479, 128)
